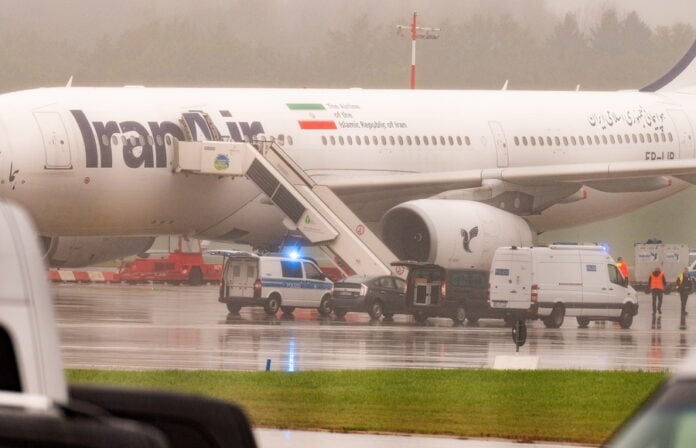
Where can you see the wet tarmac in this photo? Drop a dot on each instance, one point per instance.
(179, 327)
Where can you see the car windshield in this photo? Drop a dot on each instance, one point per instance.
(669, 421)
(356, 279)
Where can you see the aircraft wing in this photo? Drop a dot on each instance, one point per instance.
(372, 195)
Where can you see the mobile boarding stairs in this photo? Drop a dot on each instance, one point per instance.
(312, 209)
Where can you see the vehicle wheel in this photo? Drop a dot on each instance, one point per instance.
(472, 319)
(195, 277)
(459, 315)
(583, 322)
(287, 309)
(340, 313)
(388, 315)
(376, 309)
(626, 317)
(555, 320)
(233, 308)
(272, 304)
(420, 317)
(325, 306)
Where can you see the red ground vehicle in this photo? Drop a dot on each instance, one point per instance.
(184, 264)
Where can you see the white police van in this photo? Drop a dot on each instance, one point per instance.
(553, 282)
(274, 282)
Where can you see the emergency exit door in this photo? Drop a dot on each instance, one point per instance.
(501, 147)
(55, 140)
(685, 134)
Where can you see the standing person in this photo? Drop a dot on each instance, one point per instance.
(685, 285)
(657, 284)
(623, 267)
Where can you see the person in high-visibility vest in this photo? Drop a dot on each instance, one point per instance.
(657, 285)
(623, 267)
(685, 285)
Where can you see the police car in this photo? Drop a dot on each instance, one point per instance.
(274, 282)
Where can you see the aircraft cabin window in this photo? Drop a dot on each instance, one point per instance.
(114, 140)
(408, 140)
(450, 140)
(290, 141)
(557, 141)
(611, 138)
(573, 141)
(375, 140)
(349, 139)
(358, 140)
(169, 140)
(619, 138)
(670, 137)
(340, 140)
(426, 142)
(524, 141)
(392, 141)
(366, 140)
(442, 141)
(634, 138)
(323, 140)
(333, 140)
(662, 136)
(649, 138)
(150, 140)
(596, 140)
(656, 137)
(517, 141)
(401, 140)
(459, 140)
(627, 138)
(417, 139)
(384, 141)
(604, 139)
(467, 140)
(581, 139)
(565, 141)
(532, 140)
(141, 140)
(642, 138)
(434, 140)
(541, 141)
(105, 140)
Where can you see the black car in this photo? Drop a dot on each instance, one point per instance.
(433, 291)
(379, 295)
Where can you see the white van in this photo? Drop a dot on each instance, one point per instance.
(274, 282)
(561, 280)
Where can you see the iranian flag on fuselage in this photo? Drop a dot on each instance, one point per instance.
(315, 116)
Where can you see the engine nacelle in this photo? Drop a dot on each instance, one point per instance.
(74, 252)
(453, 234)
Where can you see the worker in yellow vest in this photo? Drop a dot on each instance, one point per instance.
(657, 285)
(623, 267)
(685, 285)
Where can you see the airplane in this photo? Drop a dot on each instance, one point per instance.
(424, 168)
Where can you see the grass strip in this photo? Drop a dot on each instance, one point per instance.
(568, 406)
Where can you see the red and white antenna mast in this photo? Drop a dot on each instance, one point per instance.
(417, 32)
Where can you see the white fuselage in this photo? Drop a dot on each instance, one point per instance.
(98, 161)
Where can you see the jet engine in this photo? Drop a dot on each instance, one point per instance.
(453, 234)
(73, 252)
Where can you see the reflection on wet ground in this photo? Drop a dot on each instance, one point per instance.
(160, 326)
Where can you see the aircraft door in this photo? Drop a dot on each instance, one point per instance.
(501, 146)
(684, 133)
(55, 138)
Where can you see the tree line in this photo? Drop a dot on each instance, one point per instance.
(480, 51)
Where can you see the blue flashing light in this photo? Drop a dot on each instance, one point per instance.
(294, 254)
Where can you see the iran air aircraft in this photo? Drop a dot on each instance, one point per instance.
(442, 176)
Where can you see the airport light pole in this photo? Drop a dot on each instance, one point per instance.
(417, 32)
